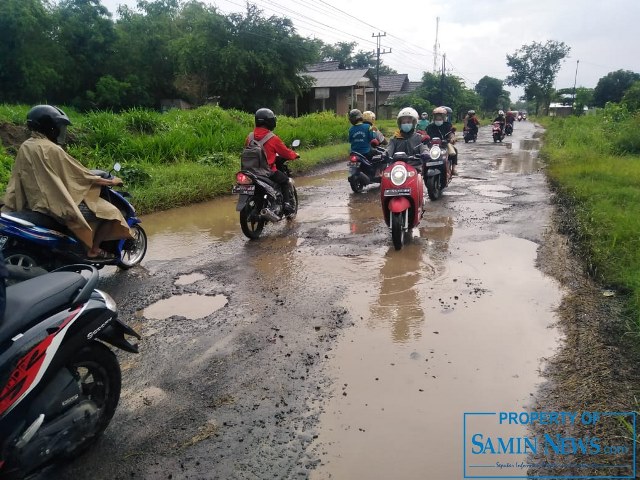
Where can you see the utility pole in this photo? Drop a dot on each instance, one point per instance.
(436, 47)
(573, 100)
(444, 69)
(378, 53)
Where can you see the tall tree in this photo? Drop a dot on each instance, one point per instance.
(29, 56)
(535, 67)
(632, 97)
(492, 94)
(611, 88)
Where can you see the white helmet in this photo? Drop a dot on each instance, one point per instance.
(369, 116)
(501, 112)
(407, 112)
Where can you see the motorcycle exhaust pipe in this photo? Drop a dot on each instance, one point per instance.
(269, 215)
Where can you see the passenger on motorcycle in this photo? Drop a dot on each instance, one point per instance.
(369, 118)
(501, 119)
(265, 121)
(46, 179)
(361, 134)
(440, 128)
(423, 123)
(406, 139)
(471, 122)
(511, 117)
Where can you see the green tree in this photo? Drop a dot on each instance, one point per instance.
(491, 93)
(535, 67)
(611, 88)
(631, 97)
(342, 52)
(29, 56)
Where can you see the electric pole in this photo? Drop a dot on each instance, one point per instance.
(573, 100)
(444, 68)
(436, 47)
(378, 53)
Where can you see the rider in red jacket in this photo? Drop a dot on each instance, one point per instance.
(265, 121)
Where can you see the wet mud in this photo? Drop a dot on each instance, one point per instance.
(323, 352)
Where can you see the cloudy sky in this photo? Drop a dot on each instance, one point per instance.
(475, 35)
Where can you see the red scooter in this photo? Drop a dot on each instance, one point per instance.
(497, 132)
(402, 196)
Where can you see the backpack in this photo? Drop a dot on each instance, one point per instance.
(253, 156)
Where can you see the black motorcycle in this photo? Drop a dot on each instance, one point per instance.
(364, 171)
(59, 382)
(438, 168)
(470, 134)
(261, 200)
(508, 129)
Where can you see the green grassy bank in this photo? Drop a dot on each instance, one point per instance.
(182, 156)
(594, 165)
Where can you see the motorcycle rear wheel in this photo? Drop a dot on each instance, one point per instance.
(20, 257)
(397, 234)
(434, 188)
(132, 257)
(251, 227)
(356, 185)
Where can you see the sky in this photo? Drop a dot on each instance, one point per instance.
(475, 35)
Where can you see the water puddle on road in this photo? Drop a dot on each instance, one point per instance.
(189, 279)
(523, 160)
(439, 335)
(191, 306)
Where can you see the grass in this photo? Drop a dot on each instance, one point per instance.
(181, 156)
(594, 165)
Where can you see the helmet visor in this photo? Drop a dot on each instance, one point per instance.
(62, 135)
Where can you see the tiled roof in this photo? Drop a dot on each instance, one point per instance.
(323, 66)
(392, 83)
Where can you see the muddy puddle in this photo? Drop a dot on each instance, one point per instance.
(191, 306)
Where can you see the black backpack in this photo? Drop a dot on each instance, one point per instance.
(253, 156)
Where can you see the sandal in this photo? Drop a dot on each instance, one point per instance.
(101, 256)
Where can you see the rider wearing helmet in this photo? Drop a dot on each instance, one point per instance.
(471, 122)
(360, 134)
(369, 118)
(265, 122)
(406, 139)
(423, 122)
(46, 179)
(501, 119)
(441, 128)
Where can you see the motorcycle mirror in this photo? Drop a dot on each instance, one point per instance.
(117, 167)
(295, 143)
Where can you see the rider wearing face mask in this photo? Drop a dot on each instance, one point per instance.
(406, 139)
(441, 128)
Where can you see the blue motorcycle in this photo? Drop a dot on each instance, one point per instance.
(363, 171)
(33, 240)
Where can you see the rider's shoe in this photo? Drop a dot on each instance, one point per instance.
(288, 208)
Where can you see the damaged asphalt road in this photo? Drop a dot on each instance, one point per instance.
(323, 353)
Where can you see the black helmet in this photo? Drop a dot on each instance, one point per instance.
(49, 120)
(265, 118)
(355, 116)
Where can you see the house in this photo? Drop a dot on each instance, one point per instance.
(333, 89)
(560, 110)
(391, 87)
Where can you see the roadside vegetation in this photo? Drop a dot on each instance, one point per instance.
(182, 156)
(594, 165)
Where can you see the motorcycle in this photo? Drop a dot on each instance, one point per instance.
(524, 116)
(497, 132)
(32, 239)
(363, 172)
(508, 129)
(438, 169)
(402, 196)
(261, 200)
(519, 117)
(470, 134)
(59, 382)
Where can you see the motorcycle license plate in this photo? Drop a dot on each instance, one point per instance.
(243, 189)
(395, 192)
(353, 164)
(433, 164)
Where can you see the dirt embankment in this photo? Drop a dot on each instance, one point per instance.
(12, 136)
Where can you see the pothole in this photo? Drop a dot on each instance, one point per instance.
(190, 305)
(189, 279)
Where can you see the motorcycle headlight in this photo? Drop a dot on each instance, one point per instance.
(435, 152)
(109, 302)
(398, 175)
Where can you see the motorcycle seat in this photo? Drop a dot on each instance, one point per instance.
(38, 219)
(30, 300)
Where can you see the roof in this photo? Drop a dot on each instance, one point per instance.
(323, 66)
(340, 78)
(411, 86)
(392, 83)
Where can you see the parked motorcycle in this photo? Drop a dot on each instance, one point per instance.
(402, 196)
(363, 172)
(59, 382)
(508, 129)
(261, 200)
(438, 170)
(497, 132)
(31, 239)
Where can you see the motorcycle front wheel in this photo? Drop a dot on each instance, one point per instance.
(251, 227)
(434, 188)
(397, 234)
(294, 199)
(130, 257)
(97, 370)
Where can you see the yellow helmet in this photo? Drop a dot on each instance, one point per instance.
(369, 116)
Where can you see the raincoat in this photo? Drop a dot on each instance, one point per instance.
(46, 179)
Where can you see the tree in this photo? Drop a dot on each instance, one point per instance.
(491, 93)
(611, 88)
(535, 67)
(632, 97)
(342, 52)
